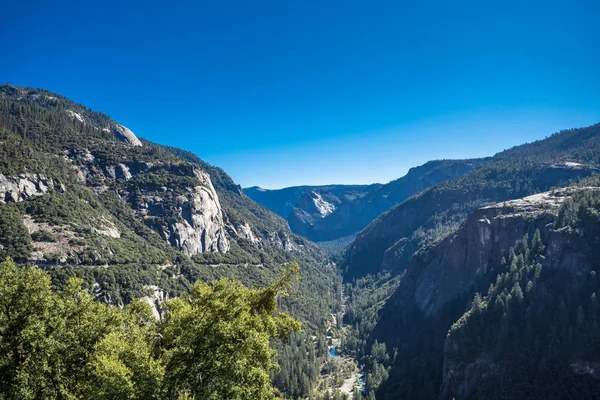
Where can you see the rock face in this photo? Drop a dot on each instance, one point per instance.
(125, 135)
(303, 206)
(244, 231)
(192, 221)
(155, 300)
(202, 227)
(187, 215)
(452, 267)
(24, 186)
(75, 115)
(281, 239)
(439, 274)
(464, 375)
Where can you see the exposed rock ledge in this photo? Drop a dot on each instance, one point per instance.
(23, 186)
(452, 266)
(200, 227)
(125, 134)
(155, 300)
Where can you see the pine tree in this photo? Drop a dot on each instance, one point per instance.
(537, 247)
(517, 293)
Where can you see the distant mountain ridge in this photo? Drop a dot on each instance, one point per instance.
(390, 240)
(327, 213)
(352, 217)
(303, 206)
(283, 201)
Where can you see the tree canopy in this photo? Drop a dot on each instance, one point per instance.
(214, 342)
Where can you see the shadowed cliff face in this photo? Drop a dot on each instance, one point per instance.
(440, 280)
(453, 266)
(349, 218)
(389, 242)
(539, 317)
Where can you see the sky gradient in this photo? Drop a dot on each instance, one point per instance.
(282, 93)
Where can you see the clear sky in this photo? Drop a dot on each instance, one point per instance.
(286, 92)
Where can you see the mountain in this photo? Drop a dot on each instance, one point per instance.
(514, 243)
(350, 218)
(532, 262)
(470, 278)
(328, 213)
(283, 201)
(303, 206)
(389, 241)
(81, 194)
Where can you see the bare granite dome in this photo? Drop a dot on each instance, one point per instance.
(124, 134)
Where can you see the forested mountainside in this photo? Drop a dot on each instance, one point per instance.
(304, 206)
(525, 272)
(283, 201)
(529, 332)
(82, 196)
(389, 241)
(329, 213)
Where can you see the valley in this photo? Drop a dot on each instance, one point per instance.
(462, 279)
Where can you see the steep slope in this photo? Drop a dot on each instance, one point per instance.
(283, 201)
(494, 350)
(328, 213)
(389, 242)
(81, 195)
(349, 218)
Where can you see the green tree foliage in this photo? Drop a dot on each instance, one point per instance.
(298, 371)
(538, 336)
(15, 241)
(365, 298)
(41, 137)
(213, 343)
(529, 320)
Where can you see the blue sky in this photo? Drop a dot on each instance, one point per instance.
(282, 93)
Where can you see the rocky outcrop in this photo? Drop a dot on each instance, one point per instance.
(125, 135)
(452, 267)
(76, 116)
(281, 239)
(155, 300)
(190, 217)
(198, 225)
(87, 166)
(244, 231)
(23, 186)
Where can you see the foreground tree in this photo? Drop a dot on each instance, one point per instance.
(214, 342)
